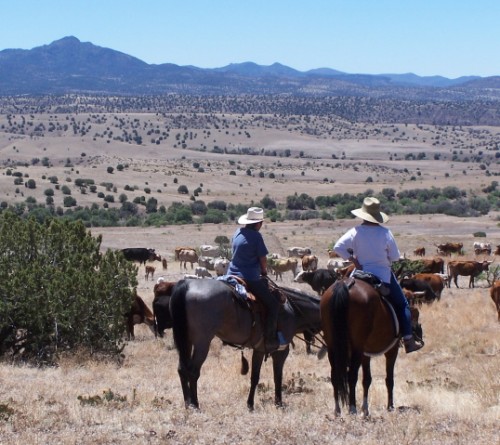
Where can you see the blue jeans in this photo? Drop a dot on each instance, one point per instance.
(260, 289)
(400, 303)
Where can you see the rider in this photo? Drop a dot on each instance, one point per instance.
(249, 262)
(372, 248)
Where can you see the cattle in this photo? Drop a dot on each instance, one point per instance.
(415, 285)
(436, 281)
(210, 251)
(220, 266)
(279, 266)
(320, 279)
(481, 246)
(164, 263)
(139, 313)
(309, 262)
(419, 251)
(162, 293)
(432, 265)
(178, 249)
(332, 254)
(482, 251)
(206, 261)
(466, 268)
(150, 270)
(346, 271)
(334, 264)
(495, 296)
(202, 272)
(414, 298)
(140, 254)
(298, 252)
(497, 250)
(187, 256)
(446, 249)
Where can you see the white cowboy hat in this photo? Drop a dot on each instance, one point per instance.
(371, 211)
(253, 215)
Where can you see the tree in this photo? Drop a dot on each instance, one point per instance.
(110, 170)
(71, 297)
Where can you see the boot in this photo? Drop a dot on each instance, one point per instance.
(412, 345)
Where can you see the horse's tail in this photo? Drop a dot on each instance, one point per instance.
(179, 322)
(338, 316)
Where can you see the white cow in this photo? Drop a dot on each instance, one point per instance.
(208, 250)
(202, 272)
(220, 266)
(298, 251)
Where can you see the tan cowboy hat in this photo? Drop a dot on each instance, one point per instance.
(370, 211)
(253, 215)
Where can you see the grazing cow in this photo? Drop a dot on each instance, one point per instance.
(139, 313)
(416, 285)
(320, 279)
(210, 251)
(178, 249)
(140, 254)
(298, 252)
(187, 256)
(419, 251)
(206, 261)
(220, 266)
(202, 272)
(447, 249)
(309, 262)
(162, 291)
(150, 270)
(467, 268)
(164, 263)
(482, 251)
(282, 265)
(432, 265)
(436, 281)
(495, 296)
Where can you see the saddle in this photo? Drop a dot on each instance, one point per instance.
(372, 280)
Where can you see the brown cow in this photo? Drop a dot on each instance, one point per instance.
(139, 313)
(150, 270)
(447, 249)
(495, 296)
(164, 263)
(432, 265)
(437, 282)
(466, 268)
(419, 251)
(187, 256)
(497, 250)
(178, 249)
(309, 262)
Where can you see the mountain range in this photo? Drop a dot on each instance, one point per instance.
(71, 66)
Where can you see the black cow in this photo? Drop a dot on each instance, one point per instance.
(163, 292)
(419, 286)
(320, 279)
(140, 254)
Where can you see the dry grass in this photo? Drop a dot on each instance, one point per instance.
(448, 393)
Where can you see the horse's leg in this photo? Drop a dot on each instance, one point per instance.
(257, 359)
(390, 361)
(367, 381)
(279, 358)
(200, 352)
(354, 365)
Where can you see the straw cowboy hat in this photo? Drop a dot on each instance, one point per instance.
(370, 211)
(253, 215)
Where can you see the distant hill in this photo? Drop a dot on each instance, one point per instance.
(69, 65)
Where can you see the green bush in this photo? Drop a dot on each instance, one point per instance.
(58, 292)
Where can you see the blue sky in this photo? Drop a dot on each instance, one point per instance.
(451, 38)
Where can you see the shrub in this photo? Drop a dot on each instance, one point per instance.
(479, 234)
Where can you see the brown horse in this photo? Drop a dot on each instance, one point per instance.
(357, 324)
(204, 309)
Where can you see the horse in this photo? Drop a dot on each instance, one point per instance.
(204, 309)
(358, 324)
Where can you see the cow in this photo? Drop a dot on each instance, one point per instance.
(206, 261)
(140, 254)
(478, 245)
(282, 265)
(332, 254)
(139, 313)
(150, 270)
(414, 298)
(298, 252)
(495, 296)
(419, 251)
(162, 293)
(164, 263)
(210, 251)
(202, 272)
(446, 249)
(497, 250)
(178, 249)
(416, 285)
(320, 279)
(466, 268)
(187, 256)
(220, 266)
(334, 264)
(309, 262)
(436, 281)
(482, 251)
(432, 265)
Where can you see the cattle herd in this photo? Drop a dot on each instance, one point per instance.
(422, 279)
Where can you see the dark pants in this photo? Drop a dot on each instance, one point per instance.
(400, 303)
(260, 289)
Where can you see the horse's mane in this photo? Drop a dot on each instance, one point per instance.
(299, 296)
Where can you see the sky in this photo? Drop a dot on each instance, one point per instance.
(451, 38)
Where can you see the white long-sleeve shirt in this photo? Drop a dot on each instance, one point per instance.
(374, 247)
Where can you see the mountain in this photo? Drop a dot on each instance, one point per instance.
(69, 65)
